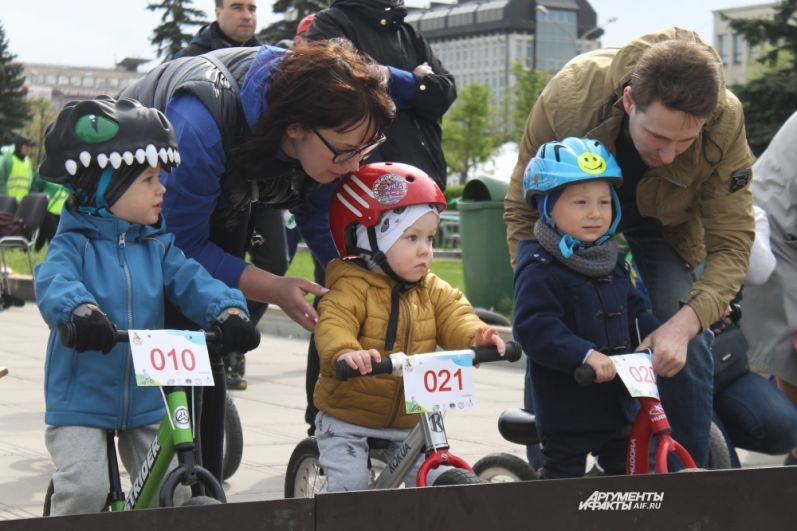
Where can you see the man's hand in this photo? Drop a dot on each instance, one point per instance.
(422, 70)
(669, 341)
(360, 359)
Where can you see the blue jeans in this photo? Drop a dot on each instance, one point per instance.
(753, 414)
(687, 396)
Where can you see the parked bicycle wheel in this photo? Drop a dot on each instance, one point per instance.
(233, 438)
(503, 468)
(457, 476)
(719, 456)
(304, 477)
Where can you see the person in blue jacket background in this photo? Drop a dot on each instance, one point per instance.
(110, 265)
(575, 304)
(261, 125)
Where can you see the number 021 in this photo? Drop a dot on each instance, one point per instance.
(441, 381)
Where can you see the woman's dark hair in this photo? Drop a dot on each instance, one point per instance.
(323, 84)
(683, 76)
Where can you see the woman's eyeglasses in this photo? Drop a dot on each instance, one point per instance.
(339, 157)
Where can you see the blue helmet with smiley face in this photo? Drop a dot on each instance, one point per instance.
(561, 163)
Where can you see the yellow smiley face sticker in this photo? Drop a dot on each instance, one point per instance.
(591, 163)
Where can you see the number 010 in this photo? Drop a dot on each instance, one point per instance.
(442, 380)
(159, 359)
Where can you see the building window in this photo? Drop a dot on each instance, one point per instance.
(738, 48)
(722, 48)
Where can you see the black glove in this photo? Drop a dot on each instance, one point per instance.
(238, 332)
(89, 329)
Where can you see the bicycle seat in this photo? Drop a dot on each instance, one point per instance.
(518, 426)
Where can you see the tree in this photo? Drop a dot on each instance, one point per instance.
(14, 110)
(169, 36)
(467, 134)
(42, 115)
(285, 29)
(528, 85)
(769, 100)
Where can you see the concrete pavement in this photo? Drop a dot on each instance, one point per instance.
(271, 411)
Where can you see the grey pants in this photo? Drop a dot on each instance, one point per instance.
(344, 452)
(80, 480)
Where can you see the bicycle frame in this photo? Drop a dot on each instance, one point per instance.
(428, 436)
(651, 421)
(174, 433)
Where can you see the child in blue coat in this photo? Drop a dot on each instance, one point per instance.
(574, 305)
(110, 265)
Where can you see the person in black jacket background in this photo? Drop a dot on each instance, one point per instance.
(420, 86)
(235, 25)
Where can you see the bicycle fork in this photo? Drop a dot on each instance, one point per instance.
(652, 421)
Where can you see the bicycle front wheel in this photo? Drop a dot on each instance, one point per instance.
(233, 446)
(457, 476)
(503, 468)
(305, 478)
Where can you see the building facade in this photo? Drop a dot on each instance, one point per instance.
(739, 59)
(479, 41)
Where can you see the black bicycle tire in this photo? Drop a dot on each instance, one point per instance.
(719, 455)
(504, 465)
(306, 450)
(457, 476)
(48, 499)
(233, 448)
(200, 500)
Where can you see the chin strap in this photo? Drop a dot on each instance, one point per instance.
(401, 286)
(568, 244)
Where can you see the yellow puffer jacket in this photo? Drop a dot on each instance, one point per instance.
(701, 217)
(354, 316)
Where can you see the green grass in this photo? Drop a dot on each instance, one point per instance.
(18, 259)
(447, 269)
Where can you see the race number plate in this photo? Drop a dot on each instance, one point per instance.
(436, 382)
(636, 371)
(170, 357)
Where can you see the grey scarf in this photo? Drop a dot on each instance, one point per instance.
(594, 261)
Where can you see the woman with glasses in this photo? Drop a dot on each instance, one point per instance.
(260, 125)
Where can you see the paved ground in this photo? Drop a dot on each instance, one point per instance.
(271, 410)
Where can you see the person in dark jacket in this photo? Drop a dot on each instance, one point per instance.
(261, 125)
(422, 88)
(575, 304)
(419, 84)
(235, 25)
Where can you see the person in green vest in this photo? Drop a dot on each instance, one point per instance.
(57, 196)
(16, 168)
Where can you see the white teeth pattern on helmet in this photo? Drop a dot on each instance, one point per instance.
(102, 160)
(128, 158)
(85, 158)
(152, 155)
(170, 154)
(163, 156)
(177, 157)
(140, 156)
(71, 166)
(116, 160)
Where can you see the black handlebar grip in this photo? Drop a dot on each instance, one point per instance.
(584, 374)
(487, 354)
(343, 372)
(68, 336)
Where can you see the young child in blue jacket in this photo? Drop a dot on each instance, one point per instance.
(110, 265)
(575, 304)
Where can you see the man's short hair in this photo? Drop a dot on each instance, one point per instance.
(683, 76)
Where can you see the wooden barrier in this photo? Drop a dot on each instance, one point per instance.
(698, 501)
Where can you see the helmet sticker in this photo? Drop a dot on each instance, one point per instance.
(389, 189)
(591, 163)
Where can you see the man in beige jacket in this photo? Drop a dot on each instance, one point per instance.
(661, 107)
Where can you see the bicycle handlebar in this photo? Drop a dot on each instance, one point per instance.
(69, 335)
(585, 375)
(385, 366)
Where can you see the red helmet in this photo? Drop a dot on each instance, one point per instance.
(363, 195)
